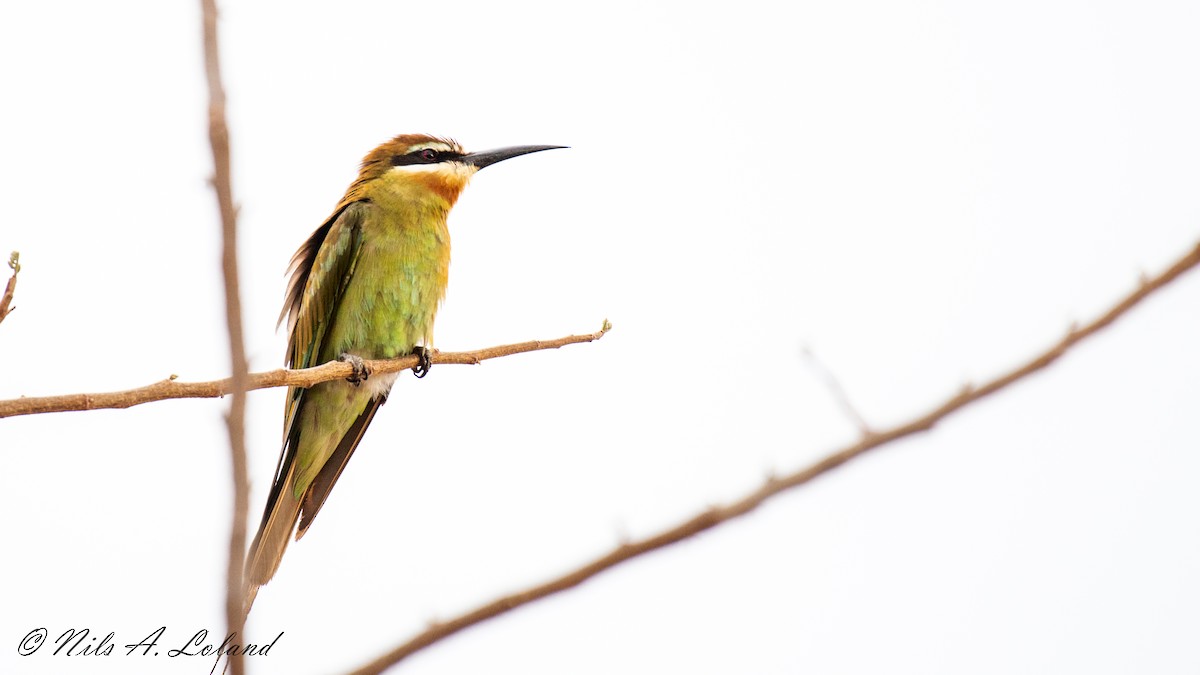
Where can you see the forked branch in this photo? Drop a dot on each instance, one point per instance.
(775, 485)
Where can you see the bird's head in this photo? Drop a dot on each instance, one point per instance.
(412, 164)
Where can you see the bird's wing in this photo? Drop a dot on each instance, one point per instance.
(321, 269)
(318, 490)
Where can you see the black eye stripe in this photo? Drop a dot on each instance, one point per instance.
(417, 157)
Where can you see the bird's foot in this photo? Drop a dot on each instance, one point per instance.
(361, 371)
(425, 363)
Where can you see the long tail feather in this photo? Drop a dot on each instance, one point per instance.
(267, 549)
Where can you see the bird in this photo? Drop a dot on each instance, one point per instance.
(366, 285)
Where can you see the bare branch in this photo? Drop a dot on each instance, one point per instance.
(5, 300)
(775, 485)
(334, 370)
(218, 136)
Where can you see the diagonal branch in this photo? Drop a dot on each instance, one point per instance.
(218, 136)
(775, 485)
(307, 377)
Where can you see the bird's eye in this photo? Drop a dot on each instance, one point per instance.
(429, 155)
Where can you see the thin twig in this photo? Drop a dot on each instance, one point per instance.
(218, 136)
(307, 377)
(835, 388)
(5, 300)
(775, 485)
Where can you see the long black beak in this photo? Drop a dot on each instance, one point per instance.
(490, 157)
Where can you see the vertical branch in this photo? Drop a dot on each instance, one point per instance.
(218, 134)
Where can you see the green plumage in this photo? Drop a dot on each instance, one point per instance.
(388, 276)
(367, 284)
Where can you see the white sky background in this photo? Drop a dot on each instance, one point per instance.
(924, 193)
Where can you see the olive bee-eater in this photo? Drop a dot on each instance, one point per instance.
(365, 285)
